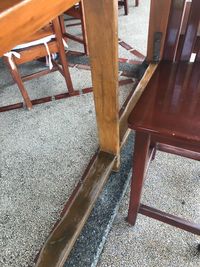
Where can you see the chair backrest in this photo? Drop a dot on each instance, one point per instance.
(174, 30)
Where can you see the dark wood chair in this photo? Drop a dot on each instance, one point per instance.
(77, 12)
(167, 116)
(124, 3)
(43, 43)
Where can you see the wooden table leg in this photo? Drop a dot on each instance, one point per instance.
(101, 23)
(102, 33)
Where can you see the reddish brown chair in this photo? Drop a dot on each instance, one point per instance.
(36, 49)
(124, 3)
(167, 116)
(77, 12)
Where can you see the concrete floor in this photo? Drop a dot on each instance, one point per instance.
(44, 154)
(172, 185)
(45, 151)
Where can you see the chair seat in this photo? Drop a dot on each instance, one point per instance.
(170, 105)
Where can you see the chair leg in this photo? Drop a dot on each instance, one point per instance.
(140, 160)
(136, 2)
(126, 7)
(153, 145)
(62, 23)
(17, 78)
(62, 54)
(83, 28)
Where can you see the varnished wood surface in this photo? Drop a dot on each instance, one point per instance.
(170, 219)
(134, 99)
(172, 37)
(191, 30)
(158, 22)
(60, 242)
(171, 103)
(167, 116)
(41, 33)
(6, 5)
(180, 151)
(144, 142)
(102, 32)
(140, 161)
(21, 18)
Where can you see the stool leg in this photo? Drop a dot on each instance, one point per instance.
(136, 2)
(140, 160)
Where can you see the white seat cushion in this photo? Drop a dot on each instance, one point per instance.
(36, 42)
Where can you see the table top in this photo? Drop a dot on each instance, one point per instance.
(33, 16)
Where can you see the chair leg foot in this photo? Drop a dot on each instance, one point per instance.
(29, 108)
(131, 223)
(131, 219)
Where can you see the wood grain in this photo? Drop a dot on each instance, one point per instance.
(63, 237)
(35, 52)
(21, 18)
(134, 99)
(101, 24)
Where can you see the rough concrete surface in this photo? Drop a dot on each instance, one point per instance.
(43, 154)
(172, 185)
(45, 151)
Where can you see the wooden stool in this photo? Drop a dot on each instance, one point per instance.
(167, 116)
